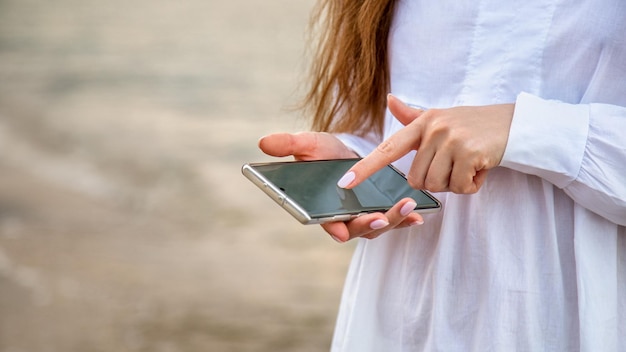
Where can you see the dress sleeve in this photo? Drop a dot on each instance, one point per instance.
(579, 148)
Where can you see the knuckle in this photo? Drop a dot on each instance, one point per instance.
(433, 185)
(436, 120)
(466, 188)
(386, 147)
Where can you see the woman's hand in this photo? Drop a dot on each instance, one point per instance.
(305, 146)
(455, 147)
(317, 146)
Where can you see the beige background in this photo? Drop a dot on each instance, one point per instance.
(125, 224)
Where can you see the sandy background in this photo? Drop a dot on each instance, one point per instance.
(125, 224)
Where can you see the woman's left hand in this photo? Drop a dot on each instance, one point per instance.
(315, 146)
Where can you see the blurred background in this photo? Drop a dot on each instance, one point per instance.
(125, 223)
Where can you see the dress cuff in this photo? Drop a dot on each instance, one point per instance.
(547, 139)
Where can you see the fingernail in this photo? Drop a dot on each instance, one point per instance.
(416, 223)
(407, 208)
(336, 239)
(391, 96)
(378, 224)
(346, 179)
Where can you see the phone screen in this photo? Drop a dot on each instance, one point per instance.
(313, 186)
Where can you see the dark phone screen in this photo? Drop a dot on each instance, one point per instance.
(313, 185)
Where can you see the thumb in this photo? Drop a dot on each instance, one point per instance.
(286, 144)
(404, 113)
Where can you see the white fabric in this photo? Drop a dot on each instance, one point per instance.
(536, 260)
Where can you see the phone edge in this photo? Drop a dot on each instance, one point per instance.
(276, 194)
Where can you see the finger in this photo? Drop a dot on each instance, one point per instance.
(480, 178)
(462, 178)
(367, 224)
(385, 153)
(394, 217)
(402, 112)
(419, 168)
(286, 144)
(358, 227)
(337, 230)
(403, 212)
(465, 180)
(372, 225)
(439, 172)
(391, 149)
(412, 220)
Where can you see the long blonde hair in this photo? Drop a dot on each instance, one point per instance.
(349, 74)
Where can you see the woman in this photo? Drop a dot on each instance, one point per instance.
(524, 139)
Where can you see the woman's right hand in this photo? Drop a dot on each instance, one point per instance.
(318, 146)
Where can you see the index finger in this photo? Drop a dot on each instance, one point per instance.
(390, 150)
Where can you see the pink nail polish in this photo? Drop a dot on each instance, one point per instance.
(378, 224)
(346, 179)
(407, 208)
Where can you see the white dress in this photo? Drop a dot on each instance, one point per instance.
(536, 260)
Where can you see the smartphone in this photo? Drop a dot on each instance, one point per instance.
(308, 190)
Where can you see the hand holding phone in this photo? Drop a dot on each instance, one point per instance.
(321, 146)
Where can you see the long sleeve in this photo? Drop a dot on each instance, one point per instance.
(579, 148)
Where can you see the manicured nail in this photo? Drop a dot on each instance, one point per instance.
(346, 179)
(416, 223)
(378, 224)
(407, 208)
(336, 239)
